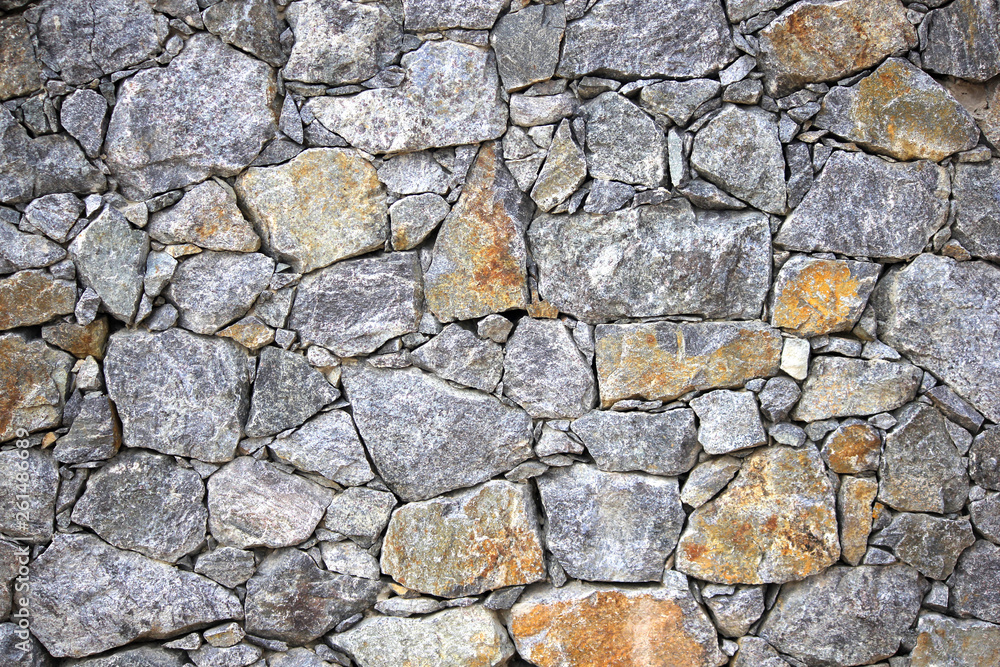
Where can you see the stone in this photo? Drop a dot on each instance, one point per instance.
(18, 651)
(54, 215)
(253, 504)
(840, 387)
(593, 625)
(34, 383)
(477, 540)
(820, 296)
(110, 258)
(241, 655)
(494, 327)
(208, 217)
(224, 636)
(527, 44)
(95, 434)
(677, 100)
(854, 510)
(610, 526)
(973, 585)
(707, 479)
(327, 444)
(360, 513)
(929, 543)
(545, 373)
(459, 355)
(141, 656)
(852, 447)
(677, 40)
(607, 196)
(623, 143)
(815, 41)
(984, 459)
(21, 251)
(291, 599)
(466, 637)
(977, 221)
(777, 398)
(212, 289)
(963, 40)
(29, 298)
(249, 332)
(755, 652)
(776, 522)
(946, 641)
(915, 307)
(921, 469)
(88, 597)
(178, 393)
(147, 503)
(353, 307)
(739, 151)
(287, 392)
(160, 268)
(426, 437)
(985, 515)
(478, 264)
(28, 494)
(564, 170)
(226, 565)
(249, 26)
(734, 614)
(661, 444)
(728, 421)
(665, 360)
(873, 605)
(424, 15)
(413, 218)
(653, 260)
(21, 73)
(533, 110)
(413, 173)
(863, 206)
(348, 558)
(82, 115)
(901, 112)
(438, 75)
(291, 207)
(199, 130)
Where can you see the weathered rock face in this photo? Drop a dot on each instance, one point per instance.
(820, 296)
(22, 75)
(963, 40)
(838, 387)
(946, 641)
(211, 289)
(329, 445)
(854, 513)
(592, 624)
(977, 221)
(460, 356)
(208, 217)
(623, 143)
(775, 522)
(973, 585)
(250, 26)
(28, 298)
(34, 380)
(661, 444)
(287, 391)
(527, 44)
(929, 543)
(852, 448)
(28, 494)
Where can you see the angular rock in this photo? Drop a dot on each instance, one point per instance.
(479, 258)
(901, 112)
(212, 289)
(88, 597)
(623, 143)
(226, 565)
(929, 543)
(212, 114)
(963, 40)
(95, 434)
(977, 223)
(662, 444)
(533, 110)
(79, 340)
(984, 459)
(426, 15)
(565, 169)
(348, 558)
(287, 392)
(292, 207)
(814, 41)
(852, 447)
(329, 445)
(141, 656)
(777, 398)
(426, 437)
(28, 494)
(678, 99)
(240, 655)
(527, 44)
(29, 298)
(921, 469)
(208, 217)
(412, 173)
(975, 583)
(459, 355)
(985, 515)
(353, 307)
(866, 613)
(854, 509)
(755, 652)
(666, 39)
(250, 26)
(438, 75)
(360, 514)
(34, 381)
(82, 115)
(864, 206)
(21, 250)
(653, 260)
(19, 652)
(54, 215)
(839, 387)
(593, 624)
(734, 614)
(707, 479)
(775, 522)
(21, 74)
(820, 296)
(147, 503)
(253, 504)
(729, 421)
(610, 526)
(415, 217)
(945, 641)
(664, 360)
(484, 538)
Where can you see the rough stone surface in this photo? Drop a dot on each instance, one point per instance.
(852, 447)
(249, 26)
(973, 585)
(963, 40)
(661, 444)
(21, 73)
(854, 510)
(28, 298)
(623, 143)
(36, 476)
(329, 445)
(287, 392)
(728, 421)
(208, 217)
(360, 514)
(930, 544)
(83, 114)
(984, 459)
(946, 641)
(212, 289)
(413, 218)
(459, 355)
(95, 434)
(678, 100)
(564, 170)
(34, 379)
(977, 221)
(820, 296)
(838, 387)
(527, 44)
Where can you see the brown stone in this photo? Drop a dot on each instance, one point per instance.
(949, 642)
(33, 382)
(19, 72)
(479, 256)
(775, 522)
(79, 340)
(854, 506)
(841, 387)
(249, 332)
(34, 297)
(852, 448)
(664, 360)
(594, 625)
(484, 538)
(819, 296)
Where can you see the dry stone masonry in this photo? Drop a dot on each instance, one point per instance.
(499, 333)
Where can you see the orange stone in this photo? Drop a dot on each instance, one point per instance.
(33, 382)
(33, 297)
(80, 341)
(820, 296)
(854, 447)
(854, 504)
(249, 332)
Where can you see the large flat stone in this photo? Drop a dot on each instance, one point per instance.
(527, 44)
(287, 391)
(34, 381)
(212, 289)
(29, 298)
(327, 444)
(946, 641)
(820, 296)
(208, 217)
(840, 387)
(665, 443)
(21, 74)
(623, 143)
(976, 193)
(963, 40)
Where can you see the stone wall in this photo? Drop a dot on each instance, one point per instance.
(469, 333)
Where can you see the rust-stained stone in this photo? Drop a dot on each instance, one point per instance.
(819, 40)
(479, 256)
(19, 72)
(854, 507)
(852, 448)
(474, 541)
(33, 382)
(33, 297)
(595, 625)
(819, 296)
(249, 332)
(841, 387)
(664, 360)
(324, 205)
(79, 340)
(208, 217)
(949, 642)
(775, 522)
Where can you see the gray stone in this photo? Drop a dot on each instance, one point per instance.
(327, 444)
(291, 599)
(54, 215)
(212, 114)
(426, 437)
(866, 613)
(707, 479)
(140, 656)
(253, 504)
(494, 327)
(18, 648)
(147, 503)
(608, 196)
(527, 44)
(533, 110)
(610, 526)
(740, 152)
(82, 115)
(349, 558)
(703, 194)
(35, 380)
(95, 434)
(929, 543)
(208, 217)
(160, 269)
(669, 39)
(946, 641)
(839, 387)
(747, 91)
(427, 15)
(212, 289)
(662, 444)
(545, 373)
(778, 397)
(22, 73)
(985, 515)
(734, 614)
(178, 393)
(623, 143)
(413, 218)
(459, 355)
(678, 100)
(250, 26)
(439, 75)
(755, 652)
(353, 307)
(984, 459)
(413, 173)
(287, 392)
(28, 485)
(240, 655)
(653, 260)
(88, 597)
(226, 565)
(360, 514)
(864, 206)
(975, 584)
(27, 251)
(977, 199)
(565, 169)
(963, 40)
(729, 421)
